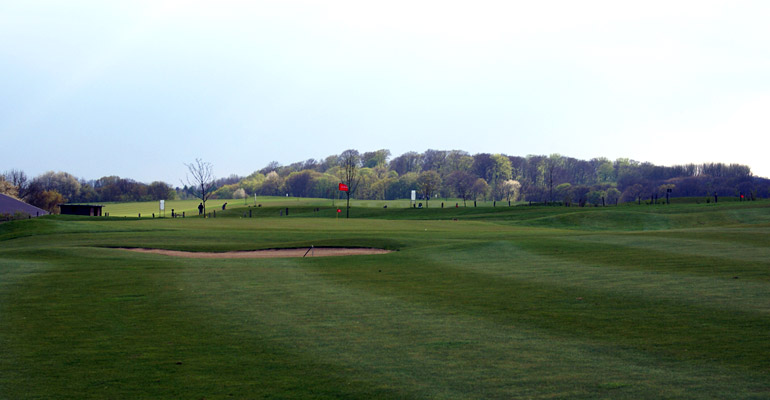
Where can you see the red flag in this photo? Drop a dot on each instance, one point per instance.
(343, 187)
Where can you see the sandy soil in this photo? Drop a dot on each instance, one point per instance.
(275, 253)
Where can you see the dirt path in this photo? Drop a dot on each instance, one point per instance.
(274, 253)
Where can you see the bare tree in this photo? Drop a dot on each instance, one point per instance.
(19, 179)
(7, 188)
(201, 180)
(350, 161)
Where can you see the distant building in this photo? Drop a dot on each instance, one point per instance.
(11, 206)
(81, 209)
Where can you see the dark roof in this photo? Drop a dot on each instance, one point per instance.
(10, 205)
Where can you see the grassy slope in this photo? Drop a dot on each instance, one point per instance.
(190, 207)
(626, 302)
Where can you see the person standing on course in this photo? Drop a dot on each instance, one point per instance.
(200, 209)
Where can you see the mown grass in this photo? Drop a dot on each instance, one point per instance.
(527, 302)
(190, 207)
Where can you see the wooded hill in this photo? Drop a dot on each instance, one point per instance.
(499, 177)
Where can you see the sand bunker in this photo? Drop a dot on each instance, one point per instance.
(273, 253)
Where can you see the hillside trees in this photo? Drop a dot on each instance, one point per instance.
(272, 185)
(366, 179)
(239, 193)
(428, 183)
(538, 176)
(62, 182)
(48, 200)
(461, 182)
(300, 184)
(373, 159)
(72, 189)
(328, 163)
(633, 193)
(613, 195)
(225, 192)
(482, 166)
(160, 191)
(605, 171)
(563, 192)
(325, 185)
(500, 172)
(595, 197)
(252, 183)
(433, 160)
(548, 169)
(510, 190)
(407, 162)
(456, 160)
(480, 189)
(402, 187)
(115, 188)
(541, 179)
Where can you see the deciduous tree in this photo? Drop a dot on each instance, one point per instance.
(62, 182)
(480, 188)
(350, 161)
(201, 180)
(499, 172)
(407, 162)
(48, 200)
(548, 169)
(18, 179)
(7, 188)
(372, 159)
(160, 191)
(510, 190)
(613, 195)
(461, 183)
(428, 182)
(239, 194)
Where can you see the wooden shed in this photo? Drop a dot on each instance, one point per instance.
(92, 210)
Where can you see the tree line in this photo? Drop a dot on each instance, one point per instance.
(457, 174)
(50, 189)
(494, 177)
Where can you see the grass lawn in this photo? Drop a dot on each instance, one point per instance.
(274, 204)
(487, 302)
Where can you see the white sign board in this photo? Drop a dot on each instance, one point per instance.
(162, 205)
(414, 195)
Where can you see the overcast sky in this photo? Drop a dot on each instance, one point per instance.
(138, 88)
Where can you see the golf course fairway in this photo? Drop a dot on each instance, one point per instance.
(497, 303)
